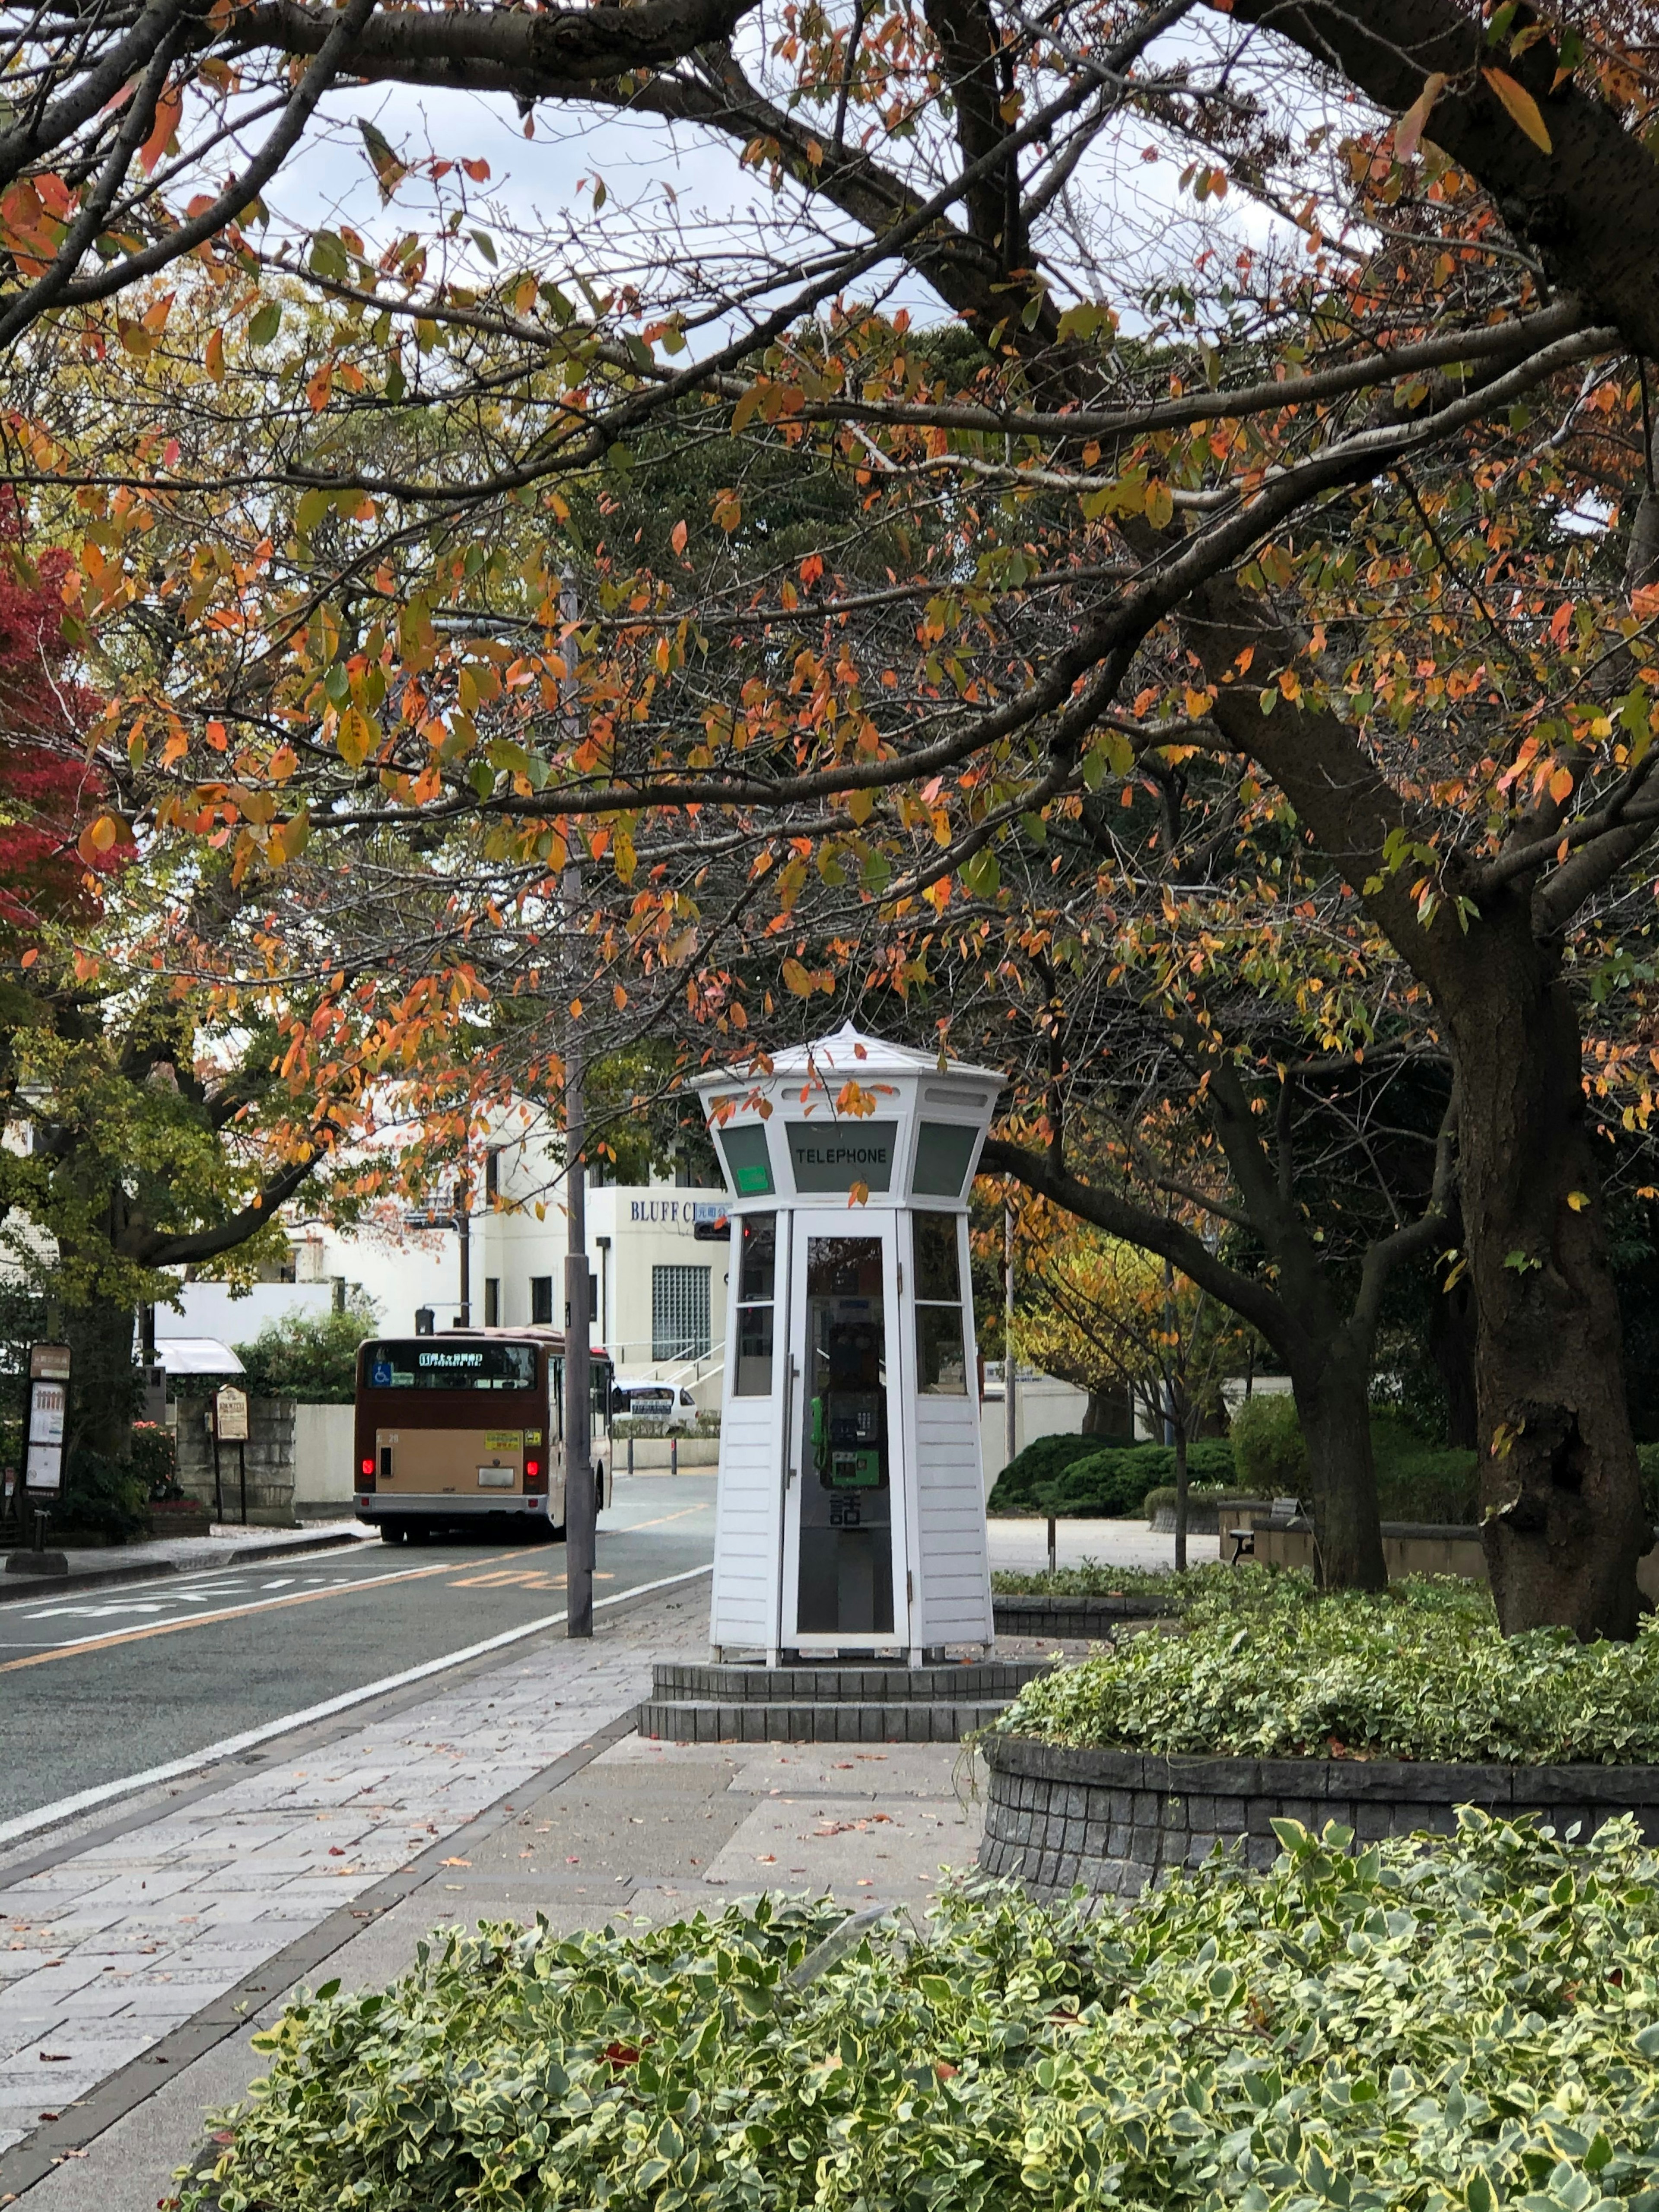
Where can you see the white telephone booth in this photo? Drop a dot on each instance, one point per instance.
(851, 1512)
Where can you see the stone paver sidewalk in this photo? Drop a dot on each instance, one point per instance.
(105, 1951)
(139, 1947)
(657, 1830)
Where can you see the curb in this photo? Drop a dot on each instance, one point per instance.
(1059, 1814)
(32, 2160)
(14, 1587)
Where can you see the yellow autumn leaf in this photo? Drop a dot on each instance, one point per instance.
(1577, 1201)
(796, 977)
(353, 737)
(1523, 108)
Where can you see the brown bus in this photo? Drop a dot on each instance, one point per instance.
(470, 1425)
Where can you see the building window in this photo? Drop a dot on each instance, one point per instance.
(541, 1300)
(492, 1301)
(679, 1313)
(493, 1172)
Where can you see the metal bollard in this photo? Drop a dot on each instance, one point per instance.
(631, 1453)
(673, 1455)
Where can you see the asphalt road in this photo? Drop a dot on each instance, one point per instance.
(100, 1685)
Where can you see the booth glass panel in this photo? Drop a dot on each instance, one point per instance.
(845, 1574)
(837, 1155)
(943, 1151)
(757, 1260)
(754, 1376)
(757, 1288)
(941, 1346)
(748, 1163)
(941, 1361)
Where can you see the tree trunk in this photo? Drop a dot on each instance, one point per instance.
(1564, 1521)
(1452, 1348)
(104, 1382)
(1181, 1498)
(1107, 1412)
(1333, 1404)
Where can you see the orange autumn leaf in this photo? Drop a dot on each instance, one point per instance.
(168, 109)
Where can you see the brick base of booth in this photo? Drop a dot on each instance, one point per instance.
(831, 1703)
(1114, 1821)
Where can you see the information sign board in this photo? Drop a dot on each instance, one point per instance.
(230, 1415)
(48, 1414)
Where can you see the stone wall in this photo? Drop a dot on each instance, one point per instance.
(269, 1453)
(1077, 1619)
(1115, 1819)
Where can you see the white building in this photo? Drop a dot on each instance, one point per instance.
(657, 1287)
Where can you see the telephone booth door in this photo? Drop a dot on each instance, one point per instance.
(844, 1585)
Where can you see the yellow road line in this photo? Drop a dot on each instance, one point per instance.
(116, 1637)
(681, 1515)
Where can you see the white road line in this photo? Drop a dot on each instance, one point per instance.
(230, 1613)
(179, 1586)
(28, 1824)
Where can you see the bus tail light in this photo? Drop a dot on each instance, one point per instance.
(367, 1470)
(535, 1474)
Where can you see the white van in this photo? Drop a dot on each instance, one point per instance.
(643, 1397)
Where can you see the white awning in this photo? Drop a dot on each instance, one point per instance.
(196, 1355)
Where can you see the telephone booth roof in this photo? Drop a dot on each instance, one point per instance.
(911, 1132)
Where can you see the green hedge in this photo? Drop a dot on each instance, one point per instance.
(1043, 1459)
(1647, 1459)
(1268, 1669)
(1396, 2030)
(1268, 1450)
(311, 1357)
(1102, 1483)
(1416, 1481)
(105, 1500)
(1264, 1459)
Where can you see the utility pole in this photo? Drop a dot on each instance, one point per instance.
(580, 1504)
(1010, 1410)
(463, 1238)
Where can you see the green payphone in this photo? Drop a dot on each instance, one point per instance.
(849, 1413)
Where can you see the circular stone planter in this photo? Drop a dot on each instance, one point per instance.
(1080, 1619)
(1113, 1820)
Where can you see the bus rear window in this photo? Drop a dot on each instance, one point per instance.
(425, 1364)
